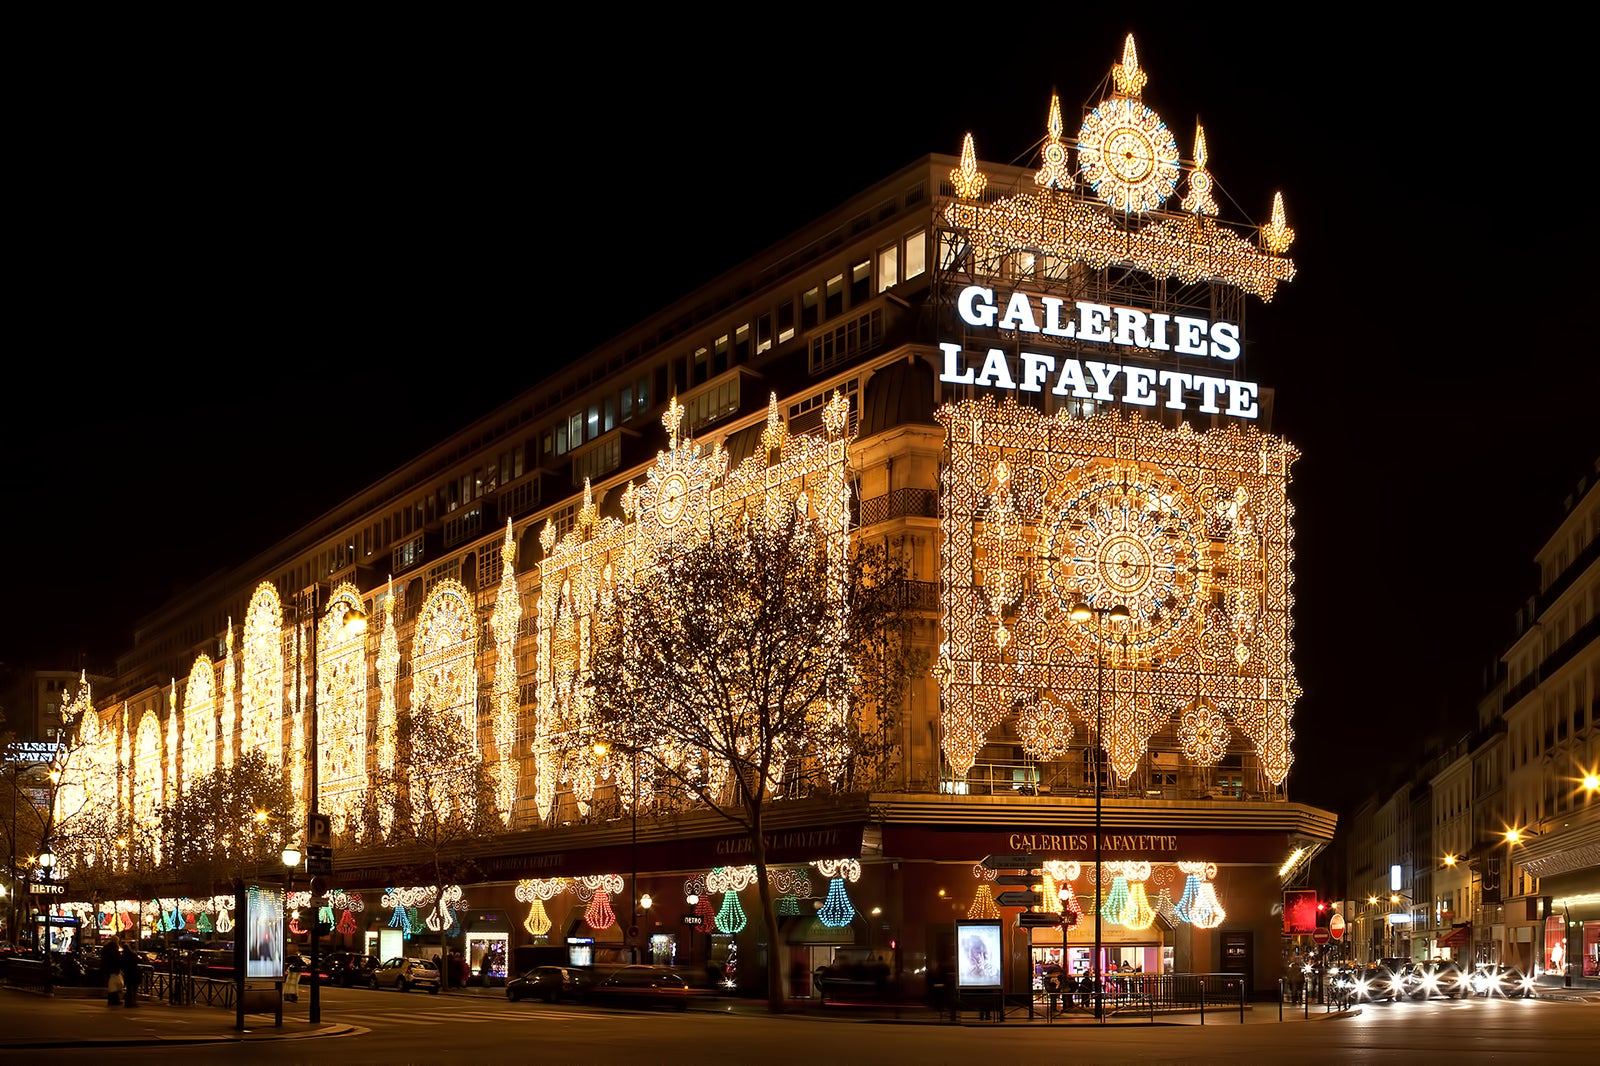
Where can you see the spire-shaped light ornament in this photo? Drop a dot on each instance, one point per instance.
(1199, 201)
(1127, 76)
(967, 179)
(1054, 173)
(983, 904)
(1276, 236)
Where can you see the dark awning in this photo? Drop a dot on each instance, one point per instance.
(1459, 936)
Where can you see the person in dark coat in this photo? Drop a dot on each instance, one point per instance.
(130, 976)
(111, 963)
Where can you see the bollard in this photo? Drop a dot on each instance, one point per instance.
(1280, 999)
(1202, 1001)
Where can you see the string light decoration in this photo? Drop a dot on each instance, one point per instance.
(199, 721)
(1191, 530)
(261, 703)
(1138, 914)
(687, 493)
(534, 892)
(387, 733)
(147, 781)
(1165, 908)
(1204, 734)
(788, 906)
(1129, 159)
(967, 180)
(1199, 201)
(731, 918)
(1115, 906)
(169, 793)
(836, 911)
(1045, 730)
(347, 924)
(983, 904)
(730, 878)
(1193, 872)
(341, 708)
(599, 914)
(225, 737)
(1054, 173)
(1206, 912)
(444, 681)
(503, 623)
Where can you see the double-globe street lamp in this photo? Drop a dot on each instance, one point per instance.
(1082, 613)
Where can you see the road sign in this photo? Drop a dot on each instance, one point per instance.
(1048, 919)
(1320, 936)
(1010, 862)
(319, 859)
(1336, 926)
(633, 932)
(1016, 879)
(48, 888)
(693, 919)
(1017, 898)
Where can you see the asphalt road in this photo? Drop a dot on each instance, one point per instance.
(419, 1028)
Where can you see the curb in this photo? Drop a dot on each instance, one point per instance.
(153, 1041)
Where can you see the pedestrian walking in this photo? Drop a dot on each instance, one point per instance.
(130, 976)
(111, 970)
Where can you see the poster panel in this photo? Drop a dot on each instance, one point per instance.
(978, 955)
(263, 924)
(1299, 912)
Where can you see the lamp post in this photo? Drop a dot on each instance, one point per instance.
(47, 864)
(1082, 613)
(355, 622)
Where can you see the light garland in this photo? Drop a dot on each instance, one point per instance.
(730, 878)
(849, 869)
(387, 731)
(837, 911)
(199, 721)
(967, 180)
(226, 738)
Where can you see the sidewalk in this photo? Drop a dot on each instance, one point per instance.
(31, 1020)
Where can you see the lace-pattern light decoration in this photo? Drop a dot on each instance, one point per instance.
(534, 892)
(261, 701)
(341, 708)
(1190, 530)
(225, 733)
(444, 681)
(199, 721)
(688, 491)
(503, 623)
(1130, 164)
(147, 781)
(387, 732)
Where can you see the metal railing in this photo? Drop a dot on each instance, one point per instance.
(1149, 994)
(183, 989)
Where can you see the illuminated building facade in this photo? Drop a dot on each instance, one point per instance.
(1028, 383)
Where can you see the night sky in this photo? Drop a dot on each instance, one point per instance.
(404, 231)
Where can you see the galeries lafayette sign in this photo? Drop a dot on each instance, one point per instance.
(1152, 334)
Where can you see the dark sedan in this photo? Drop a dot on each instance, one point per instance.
(640, 986)
(549, 983)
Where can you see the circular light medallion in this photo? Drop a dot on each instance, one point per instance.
(1129, 537)
(1128, 155)
(674, 495)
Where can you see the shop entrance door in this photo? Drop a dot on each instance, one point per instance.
(1238, 954)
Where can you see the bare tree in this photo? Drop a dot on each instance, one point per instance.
(760, 664)
(443, 804)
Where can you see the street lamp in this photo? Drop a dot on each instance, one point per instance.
(47, 864)
(354, 622)
(1081, 613)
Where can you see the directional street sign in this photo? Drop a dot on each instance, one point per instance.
(1011, 862)
(1016, 879)
(1048, 919)
(1017, 898)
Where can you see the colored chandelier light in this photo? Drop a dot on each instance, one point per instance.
(836, 912)
(1116, 902)
(538, 920)
(731, 918)
(1138, 914)
(983, 904)
(1191, 893)
(788, 906)
(1207, 912)
(599, 915)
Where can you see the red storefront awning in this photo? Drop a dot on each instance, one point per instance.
(1459, 936)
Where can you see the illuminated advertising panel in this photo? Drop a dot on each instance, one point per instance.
(978, 955)
(1299, 912)
(263, 924)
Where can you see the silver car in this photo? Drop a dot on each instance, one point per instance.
(406, 974)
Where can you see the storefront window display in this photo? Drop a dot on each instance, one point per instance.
(1591, 949)
(486, 954)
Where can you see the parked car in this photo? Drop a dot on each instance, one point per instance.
(406, 974)
(1505, 981)
(1435, 977)
(639, 986)
(549, 983)
(349, 969)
